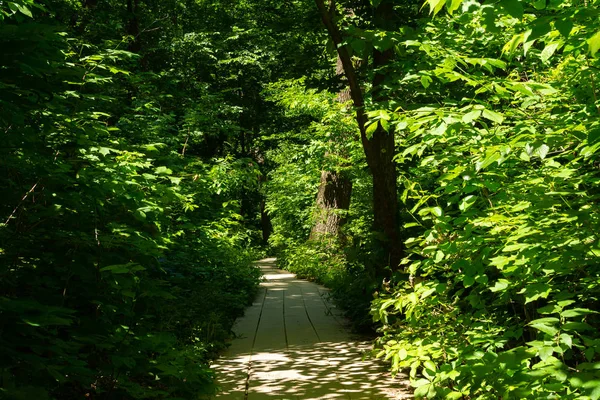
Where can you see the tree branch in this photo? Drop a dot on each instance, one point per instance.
(349, 71)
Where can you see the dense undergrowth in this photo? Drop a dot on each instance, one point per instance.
(124, 257)
(496, 122)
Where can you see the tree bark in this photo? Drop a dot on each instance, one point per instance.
(335, 190)
(334, 196)
(380, 148)
(265, 223)
(133, 25)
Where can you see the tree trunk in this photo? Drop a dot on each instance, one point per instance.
(334, 196)
(335, 190)
(133, 25)
(380, 148)
(265, 223)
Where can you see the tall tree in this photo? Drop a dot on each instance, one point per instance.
(335, 189)
(379, 145)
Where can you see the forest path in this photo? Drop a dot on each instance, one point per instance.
(293, 344)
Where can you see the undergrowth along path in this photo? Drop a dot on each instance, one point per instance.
(293, 343)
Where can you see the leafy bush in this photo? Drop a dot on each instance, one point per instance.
(122, 259)
(500, 182)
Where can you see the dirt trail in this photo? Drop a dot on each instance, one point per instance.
(294, 344)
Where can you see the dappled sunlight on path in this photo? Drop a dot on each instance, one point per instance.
(293, 344)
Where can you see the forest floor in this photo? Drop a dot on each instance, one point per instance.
(293, 343)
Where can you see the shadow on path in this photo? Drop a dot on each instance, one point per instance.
(293, 344)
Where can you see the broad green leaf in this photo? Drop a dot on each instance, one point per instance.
(539, 4)
(594, 44)
(545, 352)
(471, 116)
(511, 46)
(594, 136)
(163, 171)
(542, 151)
(549, 51)
(493, 116)
(513, 7)
(454, 5)
(467, 202)
(500, 285)
(548, 329)
(20, 8)
(577, 312)
(371, 129)
(425, 81)
(489, 160)
(422, 391)
(468, 280)
(577, 326)
(435, 6)
(566, 339)
(564, 26)
(536, 291)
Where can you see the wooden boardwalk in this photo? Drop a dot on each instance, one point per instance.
(293, 344)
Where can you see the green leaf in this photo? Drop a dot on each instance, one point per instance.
(489, 160)
(514, 8)
(371, 129)
(467, 202)
(545, 352)
(435, 6)
(421, 391)
(468, 280)
(593, 136)
(566, 340)
(402, 353)
(576, 312)
(595, 394)
(139, 215)
(500, 285)
(493, 116)
(594, 43)
(122, 268)
(163, 171)
(539, 4)
(589, 354)
(454, 5)
(543, 325)
(542, 151)
(549, 51)
(20, 8)
(425, 81)
(577, 326)
(536, 291)
(358, 46)
(471, 116)
(564, 26)
(104, 151)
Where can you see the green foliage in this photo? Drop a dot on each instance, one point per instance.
(499, 182)
(122, 251)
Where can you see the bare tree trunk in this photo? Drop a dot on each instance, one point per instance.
(133, 25)
(335, 190)
(265, 223)
(333, 200)
(380, 148)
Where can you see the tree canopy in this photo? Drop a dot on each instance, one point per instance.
(435, 163)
